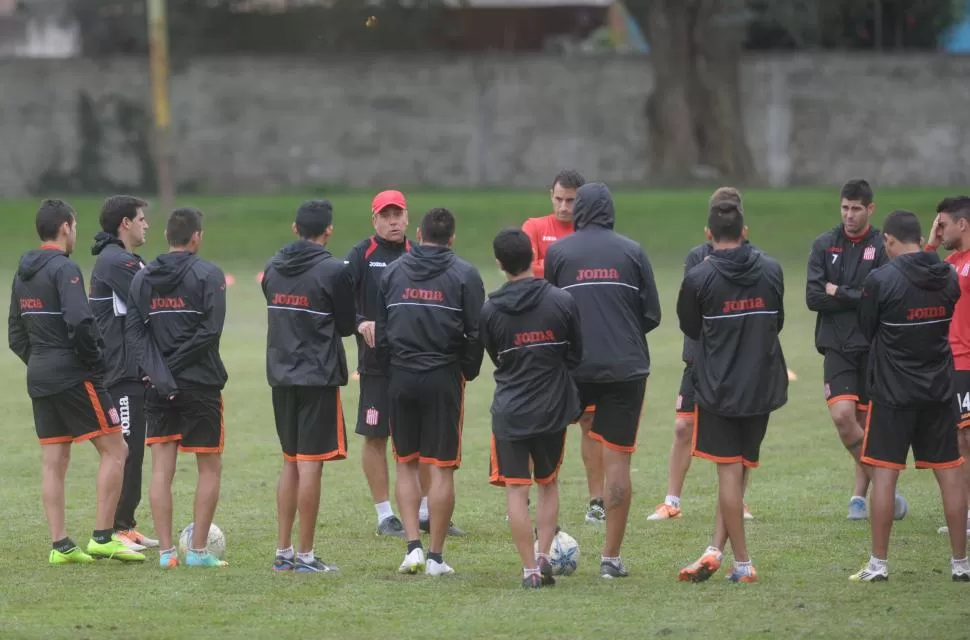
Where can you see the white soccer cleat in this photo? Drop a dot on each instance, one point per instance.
(436, 568)
(413, 562)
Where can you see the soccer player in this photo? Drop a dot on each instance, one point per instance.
(612, 282)
(51, 328)
(176, 312)
(733, 305)
(310, 306)
(366, 263)
(543, 232)
(123, 229)
(905, 312)
(951, 230)
(531, 332)
(680, 451)
(839, 262)
(428, 309)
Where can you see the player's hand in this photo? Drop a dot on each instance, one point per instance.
(936, 233)
(366, 330)
(831, 289)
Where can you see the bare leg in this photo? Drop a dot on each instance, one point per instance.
(547, 512)
(408, 490)
(57, 457)
(521, 524)
(680, 455)
(953, 492)
(441, 505)
(311, 476)
(164, 457)
(592, 452)
(286, 497)
(373, 461)
(114, 451)
(619, 491)
(730, 494)
(206, 497)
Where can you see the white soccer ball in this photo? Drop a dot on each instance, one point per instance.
(216, 544)
(563, 555)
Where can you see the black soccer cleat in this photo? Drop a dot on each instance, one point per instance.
(425, 526)
(545, 571)
(391, 526)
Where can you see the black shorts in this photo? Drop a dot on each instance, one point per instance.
(310, 423)
(961, 384)
(129, 398)
(426, 414)
(79, 413)
(727, 439)
(193, 419)
(930, 430)
(518, 461)
(372, 409)
(618, 408)
(845, 377)
(685, 397)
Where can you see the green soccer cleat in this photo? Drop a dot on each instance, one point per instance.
(74, 556)
(114, 549)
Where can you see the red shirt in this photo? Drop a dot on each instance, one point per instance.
(960, 325)
(543, 232)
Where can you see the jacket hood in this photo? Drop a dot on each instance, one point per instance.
(593, 206)
(35, 260)
(427, 261)
(924, 269)
(298, 257)
(740, 265)
(519, 296)
(168, 270)
(102, 240)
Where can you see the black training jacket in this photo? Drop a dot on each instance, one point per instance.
(612, 282)
(366, 263)
(176, 311)
(532, 334)
(110, 284)
(733, 305)
(310, 307)
(905, 313)
(845, 262)
(50, 325)
(429, 307)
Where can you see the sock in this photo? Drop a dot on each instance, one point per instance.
(384, 511)
(102, 536)
(423, 509)
(162, 552)
(743, 567)
(962, 565)
(435, 556)
(413, 544)
(615, 560)
(530, 572)
(64, 545)
(596, 502)
(673, 501)
(307, 557)
(863, 498)
(200, 552)
(715, 551)
(286, 553)
(876, 564)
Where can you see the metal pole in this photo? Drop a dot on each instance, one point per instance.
(158, 61)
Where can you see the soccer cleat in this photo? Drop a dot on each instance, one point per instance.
(900, 507)
(316, 566)
(168, 559)
(857, 509)
(545, 572)
(532, 582)
(701, 569)
(665, 512)
(282, 563)
(391, 526)
(869, 573)
(747, 513)
(425, 526)
(138, 538)
(129, 541)
(203, 559)
(113, 549)
(610, 570)
(960, 575)
(596, 513)
(413, 562)
(435, 568)
(74, 556)
(747, 574)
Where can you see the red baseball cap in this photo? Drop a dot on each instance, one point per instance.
(386, 199)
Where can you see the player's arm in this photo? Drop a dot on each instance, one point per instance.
(689, 309)
(209, 330)
(381, 342)
(140, 342)
(816, 297)
(487, 338)
(550, 266)
(473, 298)
(82, 331)
(869, 308)
(17, 336)
(344, 303)
(574, 336)
(649, 296)
(532, 230)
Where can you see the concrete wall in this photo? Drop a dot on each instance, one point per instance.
(262, 124)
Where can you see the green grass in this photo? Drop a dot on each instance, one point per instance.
(803, 546)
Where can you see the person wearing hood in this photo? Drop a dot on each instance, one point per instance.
(732, 304)
(427, 331)
(905, 314)
(531, 333)
(52, 330)
(176, 312)
(613, 284)
(310, 307)
(123, 229)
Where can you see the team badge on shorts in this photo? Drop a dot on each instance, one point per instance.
(372, 418)
(113, 416)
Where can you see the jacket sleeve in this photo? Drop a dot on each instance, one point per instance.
(869, 308)
(82, 330)
(538, 264)
(781, 298)
(354, 273)
(473, 298)
(210, 330)
(140, 342)
(815, 296)
(17, 336)
(550, 266)
(381, 343)
(693, 259)
(119, 276)
(689, 309)
(574, 335)
(487, 338)
(649, 297)
(344, 306)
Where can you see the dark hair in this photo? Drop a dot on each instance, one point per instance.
(118, 208)
(313, 217)
(513, 250)
(50, 216)
(182, 225)
(857, 189)
(904, 226)
(955, 206)
(726, 220)
(438, 226)
(569, 179)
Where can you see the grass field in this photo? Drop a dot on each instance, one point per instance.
(801, 542)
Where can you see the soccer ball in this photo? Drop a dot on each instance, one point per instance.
(563, 555)
(216, 544)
